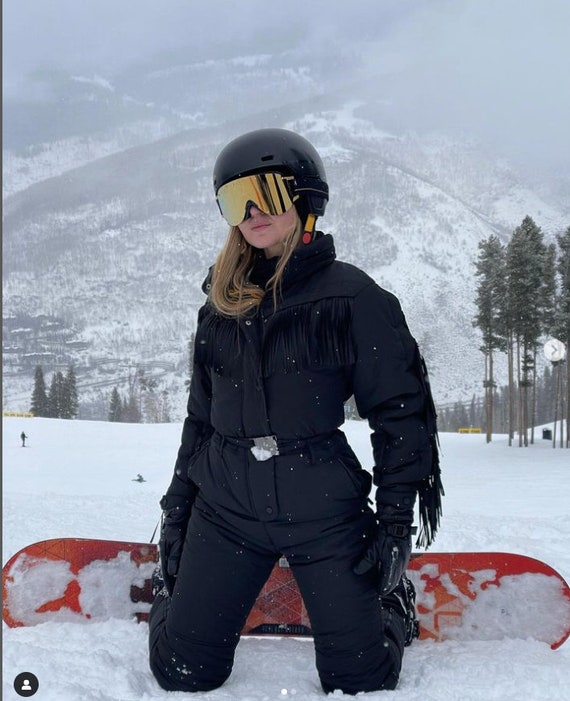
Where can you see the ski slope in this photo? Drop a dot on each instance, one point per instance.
(76, 478)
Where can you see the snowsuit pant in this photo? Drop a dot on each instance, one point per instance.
(226, 561)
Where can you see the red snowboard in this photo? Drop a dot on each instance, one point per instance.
(460, 596)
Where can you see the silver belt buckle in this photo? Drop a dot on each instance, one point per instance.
(264, 447)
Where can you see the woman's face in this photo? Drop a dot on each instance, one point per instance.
(268, 231)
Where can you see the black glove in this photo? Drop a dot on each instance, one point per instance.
(390, 552)
(391, 547)
(175, 517)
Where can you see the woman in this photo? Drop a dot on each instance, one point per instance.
(286, 336)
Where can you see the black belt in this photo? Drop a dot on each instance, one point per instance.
(265, 447)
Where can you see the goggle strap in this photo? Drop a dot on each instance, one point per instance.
(309, 228)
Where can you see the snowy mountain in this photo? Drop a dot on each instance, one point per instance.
(109, 234)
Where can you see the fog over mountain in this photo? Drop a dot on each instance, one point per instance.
(437, 127)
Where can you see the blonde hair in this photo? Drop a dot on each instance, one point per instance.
(231, 293)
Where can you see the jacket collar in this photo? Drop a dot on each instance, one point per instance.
(307, 260)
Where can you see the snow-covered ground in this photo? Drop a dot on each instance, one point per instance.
(75, 478)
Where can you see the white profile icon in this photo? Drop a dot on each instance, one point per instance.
(26, 684)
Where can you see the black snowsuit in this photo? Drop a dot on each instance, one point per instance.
(287, 373)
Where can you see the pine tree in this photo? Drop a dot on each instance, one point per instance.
(115, 407)
(130, 412)
(39, 404)
(151, 407)
(548, 304)
(69, 400)
(490, 269)
(525, 268)
(562, 316)
(55, 397)
(147, 399)
(165, 407)
(549, 291)
(460, 416)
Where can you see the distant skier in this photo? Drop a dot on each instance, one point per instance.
(23, 437)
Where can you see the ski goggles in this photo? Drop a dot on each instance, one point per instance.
(271, 193)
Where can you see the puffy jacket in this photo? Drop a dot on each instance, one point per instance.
(287, 372)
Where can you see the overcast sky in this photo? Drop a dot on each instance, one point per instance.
(501, 68)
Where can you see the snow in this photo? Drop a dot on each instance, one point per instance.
(76, 478)
(112, 600)
(524, 599)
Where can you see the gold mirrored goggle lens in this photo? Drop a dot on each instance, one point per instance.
(269, 192)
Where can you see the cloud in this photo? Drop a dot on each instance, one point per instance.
(499, 69)
(71, 34)
(496, 68)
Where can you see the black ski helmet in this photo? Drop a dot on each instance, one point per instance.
(281, 151)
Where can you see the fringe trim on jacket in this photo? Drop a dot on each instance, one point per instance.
(431, 490)
(311, 334)
(218, 345)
